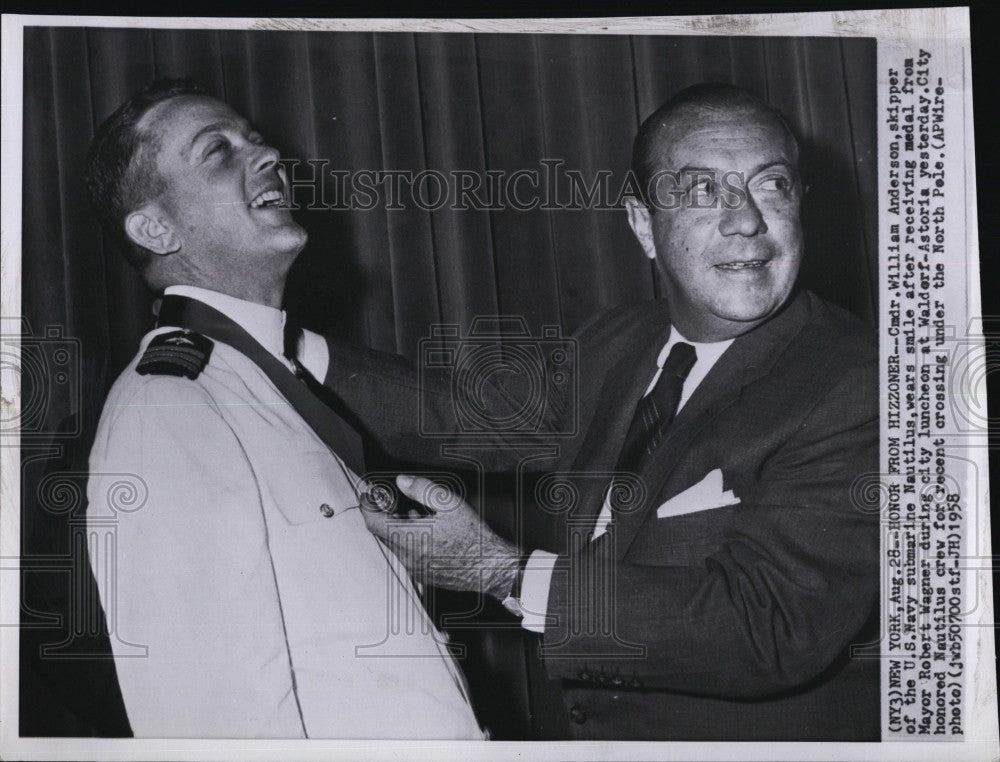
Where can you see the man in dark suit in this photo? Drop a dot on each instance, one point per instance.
(718, 565)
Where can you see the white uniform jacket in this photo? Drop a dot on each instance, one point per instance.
(245, 594)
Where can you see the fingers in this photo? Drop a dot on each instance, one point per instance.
(380, 522)
(435, 497)
(414, 487)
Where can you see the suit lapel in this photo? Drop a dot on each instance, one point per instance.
(749, 358)
(619, 396)
(615, 406)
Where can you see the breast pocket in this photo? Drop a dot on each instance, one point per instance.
(686, 540)
(311, 486)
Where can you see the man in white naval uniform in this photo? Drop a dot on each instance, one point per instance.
(244, 569)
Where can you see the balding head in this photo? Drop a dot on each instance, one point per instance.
(721, 218)
(694, 105)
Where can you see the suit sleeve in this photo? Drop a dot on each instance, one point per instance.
(184, 573)
(785, 583)
(412, 412)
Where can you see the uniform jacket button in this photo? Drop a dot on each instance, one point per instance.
(577, 714)
(326, 510)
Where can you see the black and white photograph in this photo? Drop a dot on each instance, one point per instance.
(486, 386)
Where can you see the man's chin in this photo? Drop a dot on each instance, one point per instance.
(274, 217)
(751, 312)
(291, 236)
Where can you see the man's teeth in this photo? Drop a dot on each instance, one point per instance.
(753, 263)
(267, 198)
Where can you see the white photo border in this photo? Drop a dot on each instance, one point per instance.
(894, 29)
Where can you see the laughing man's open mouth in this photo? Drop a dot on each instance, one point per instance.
(268, 198)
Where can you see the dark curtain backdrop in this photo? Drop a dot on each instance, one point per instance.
(444, 102)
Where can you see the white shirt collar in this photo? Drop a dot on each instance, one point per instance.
(706, 356)
(709, 352)
(265, 324)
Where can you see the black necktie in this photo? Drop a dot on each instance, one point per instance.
(656, 410)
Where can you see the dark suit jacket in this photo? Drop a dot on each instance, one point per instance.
(726, 623)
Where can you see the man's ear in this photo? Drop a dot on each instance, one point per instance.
(148, 227)
(641, 224)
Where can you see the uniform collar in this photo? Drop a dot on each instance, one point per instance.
(265, 324)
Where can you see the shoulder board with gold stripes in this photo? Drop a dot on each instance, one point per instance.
(176, 353)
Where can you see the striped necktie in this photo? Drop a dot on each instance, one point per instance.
(656, 410)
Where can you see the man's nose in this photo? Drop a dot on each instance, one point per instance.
(745, 219)
(265, 158)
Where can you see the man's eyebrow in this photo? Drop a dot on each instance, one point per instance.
(767, 165)
(689, 169)
(239, 125)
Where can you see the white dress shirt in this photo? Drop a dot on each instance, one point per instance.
(538, 571)
(244, 594)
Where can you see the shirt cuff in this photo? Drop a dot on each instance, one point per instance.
(535, 589)
(314, 354)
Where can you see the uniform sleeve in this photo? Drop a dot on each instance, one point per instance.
(783, 585)
(184, 571)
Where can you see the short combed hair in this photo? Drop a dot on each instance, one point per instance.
(121, 170)
(704, 96)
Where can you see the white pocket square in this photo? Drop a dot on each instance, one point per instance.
(703, 496)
